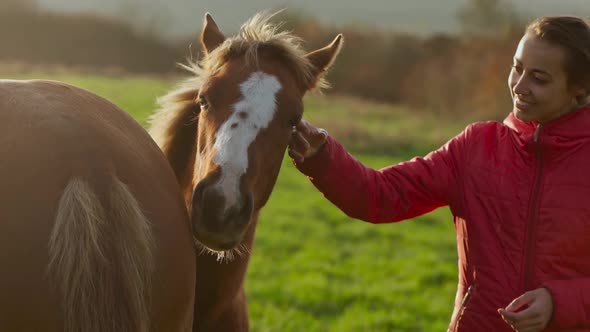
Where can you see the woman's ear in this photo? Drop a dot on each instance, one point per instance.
(582, 95)
(583, 100)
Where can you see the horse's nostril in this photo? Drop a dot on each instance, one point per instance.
(197, 193)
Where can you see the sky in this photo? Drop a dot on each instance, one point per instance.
(183, 18)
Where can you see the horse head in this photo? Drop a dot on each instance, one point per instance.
(225, 131)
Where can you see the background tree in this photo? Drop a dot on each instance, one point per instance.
(487, 18)
(18, 5)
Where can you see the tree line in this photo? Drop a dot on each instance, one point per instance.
(462, 74)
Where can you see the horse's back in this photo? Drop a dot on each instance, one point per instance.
(54, 134)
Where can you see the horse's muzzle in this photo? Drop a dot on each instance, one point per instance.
(214, 225)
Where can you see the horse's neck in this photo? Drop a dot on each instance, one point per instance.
(219, 285)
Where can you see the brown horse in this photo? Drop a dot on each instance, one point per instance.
(225, 132)
(94, 233)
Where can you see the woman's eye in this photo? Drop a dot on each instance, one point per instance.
(539, 80)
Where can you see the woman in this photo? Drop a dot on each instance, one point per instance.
(519, 190)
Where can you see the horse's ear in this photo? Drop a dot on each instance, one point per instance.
(323, 58)
(211, 37)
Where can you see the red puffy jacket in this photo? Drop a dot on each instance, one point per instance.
(520, 196)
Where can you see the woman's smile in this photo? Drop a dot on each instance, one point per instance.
(522, 105)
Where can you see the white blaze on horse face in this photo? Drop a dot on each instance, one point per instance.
(251, 114)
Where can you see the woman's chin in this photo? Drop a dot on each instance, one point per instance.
(522, 115)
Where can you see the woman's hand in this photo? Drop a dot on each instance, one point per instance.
(306, 141)
(537, 312)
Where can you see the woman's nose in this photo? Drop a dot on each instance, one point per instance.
(520, 88)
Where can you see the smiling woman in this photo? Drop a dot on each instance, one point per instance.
(550, 77)
(518, 190)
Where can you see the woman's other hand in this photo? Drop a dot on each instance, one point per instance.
(531, 312)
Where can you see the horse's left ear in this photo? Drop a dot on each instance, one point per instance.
(323, 58)
(211, 37)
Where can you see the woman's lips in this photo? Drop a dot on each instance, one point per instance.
(522, 105)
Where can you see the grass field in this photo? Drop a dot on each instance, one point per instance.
(314, 269)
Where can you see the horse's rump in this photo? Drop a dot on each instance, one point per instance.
(80, 179)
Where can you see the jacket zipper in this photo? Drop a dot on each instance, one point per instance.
(531, 227)
(454, 327)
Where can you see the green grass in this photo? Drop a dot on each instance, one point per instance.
(380, 128)
(313, 268)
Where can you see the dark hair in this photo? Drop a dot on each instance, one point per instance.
(573, 34)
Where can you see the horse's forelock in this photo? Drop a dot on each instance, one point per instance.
(258, 33)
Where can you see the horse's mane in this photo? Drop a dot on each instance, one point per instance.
(259, 33)
(178, 108)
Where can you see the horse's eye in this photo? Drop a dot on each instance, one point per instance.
(203, 103)
(295, 121)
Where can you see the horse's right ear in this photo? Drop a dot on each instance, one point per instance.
(211, 37)
(323, 58)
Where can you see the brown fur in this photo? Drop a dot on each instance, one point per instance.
(80, 179)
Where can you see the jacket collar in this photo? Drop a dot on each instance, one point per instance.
(572, 126)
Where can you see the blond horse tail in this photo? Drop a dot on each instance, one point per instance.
(101, 260)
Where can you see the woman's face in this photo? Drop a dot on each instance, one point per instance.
(538, 81)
